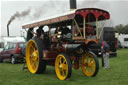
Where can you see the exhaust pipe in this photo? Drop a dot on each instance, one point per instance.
(8, 30)
(72, 4)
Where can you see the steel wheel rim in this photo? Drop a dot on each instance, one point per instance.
(88, 64)
(32, 56)
(61, 67)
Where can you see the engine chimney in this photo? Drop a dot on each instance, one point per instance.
(72, 4)
(8, 30)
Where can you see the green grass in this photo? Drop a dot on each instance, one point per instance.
(116, 75)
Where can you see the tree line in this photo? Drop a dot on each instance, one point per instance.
(123, 29)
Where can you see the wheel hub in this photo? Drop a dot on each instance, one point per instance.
(34, 56)
(90, 63)
(60, 66)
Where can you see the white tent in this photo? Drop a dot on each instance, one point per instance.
(123, 38)
(12, 39)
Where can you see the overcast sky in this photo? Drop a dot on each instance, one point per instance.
(33, 10)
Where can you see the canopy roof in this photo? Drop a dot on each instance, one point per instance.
(67, 18)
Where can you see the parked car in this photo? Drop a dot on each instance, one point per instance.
(108, 35)
(1, 46)
(13, 52)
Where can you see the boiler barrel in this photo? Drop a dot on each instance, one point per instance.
(71, 47)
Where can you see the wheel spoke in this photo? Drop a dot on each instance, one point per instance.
(60, 60)
(85, 64)
(34, 49)
(31, 60)
(36, 63)
(92, 62)
(86, 57)
(30, 51)
(63, 73)
(33, 65)
(31, 57)
(89, 69)
(64, 61)
(65, 67)
(91, 57)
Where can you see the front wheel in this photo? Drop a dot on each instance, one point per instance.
(34, 56)
(89, 64)
(63, 67)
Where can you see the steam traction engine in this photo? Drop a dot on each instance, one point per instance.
(67, 42)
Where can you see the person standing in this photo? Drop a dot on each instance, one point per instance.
(105, 55)
(30, 34)
(40, 33)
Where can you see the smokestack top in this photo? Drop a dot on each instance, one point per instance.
(17, 15)
(73, 4)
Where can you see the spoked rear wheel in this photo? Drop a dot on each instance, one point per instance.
(89, 64)
(63, 67)
(34, 56)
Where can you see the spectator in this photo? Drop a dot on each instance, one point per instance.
(30, 34)
(40, 33)
(105, 55)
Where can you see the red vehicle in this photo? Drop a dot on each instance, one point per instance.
(66, 43)
(13, 52)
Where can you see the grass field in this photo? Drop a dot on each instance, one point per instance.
(116, 75)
